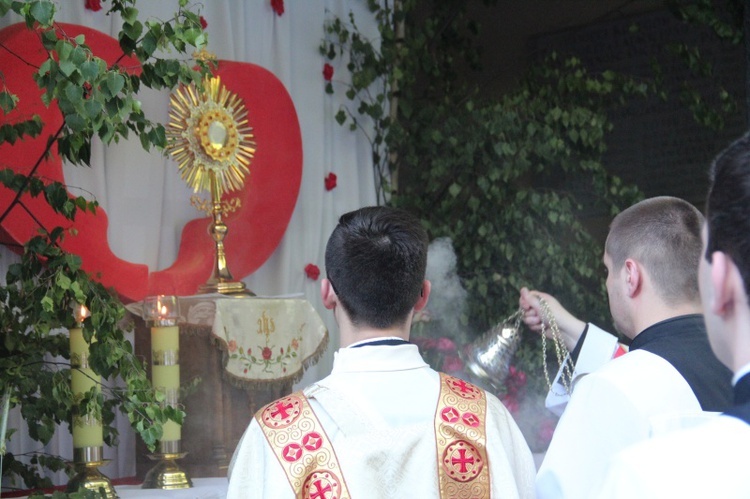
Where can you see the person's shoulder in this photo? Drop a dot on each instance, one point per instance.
(634, 360)
(722, 438)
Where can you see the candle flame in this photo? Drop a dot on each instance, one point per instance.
(81, 312)
(163, 311)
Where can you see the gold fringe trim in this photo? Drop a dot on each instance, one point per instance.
(254, 384)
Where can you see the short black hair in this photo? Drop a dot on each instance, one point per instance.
(376, 259)
(728, 206)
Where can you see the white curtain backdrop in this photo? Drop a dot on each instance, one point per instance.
(148, 204)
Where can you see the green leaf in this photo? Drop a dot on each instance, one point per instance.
(7, 101)
(76, 122)
(42, 12)
(341, 117)
(89, 70)
(114, 82)
(133, 30)
(47, 304)
(93, 108)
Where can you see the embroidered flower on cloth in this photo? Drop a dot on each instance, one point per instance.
(204, 23)
(277, 6)
(266, 353)
(312, 271)
(327, 72)
(232, 346)
(94, 5)
(330, 181)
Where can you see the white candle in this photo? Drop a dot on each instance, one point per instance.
(87, 429)
(165, 356)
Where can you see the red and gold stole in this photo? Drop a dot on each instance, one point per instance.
(461, 439)
(302, 447)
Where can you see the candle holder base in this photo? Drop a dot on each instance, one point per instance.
(89, 476)
(166, 474)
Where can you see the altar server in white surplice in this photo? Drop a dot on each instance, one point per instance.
(709, 460)
(651, 256)
(383, 424)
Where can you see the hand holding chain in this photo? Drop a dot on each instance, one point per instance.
(561, 351)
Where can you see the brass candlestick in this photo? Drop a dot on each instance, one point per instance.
(166, 474)
(87, 461)
(88, 440)
(161, 311)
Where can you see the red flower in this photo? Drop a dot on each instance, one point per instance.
(204, 23)
(232, 346)
(330, 181)
(511, 403)
(327, 72)
(452, 363)
(516, 381)
(546, 430)
(277, 6)
(266, 353)
(312, 271)
(424, 344)
(94, 5)
(445, 345)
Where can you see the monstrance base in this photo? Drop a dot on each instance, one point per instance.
(225, 287)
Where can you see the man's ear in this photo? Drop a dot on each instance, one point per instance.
(722, 296)
(633, 277)
(328, 295)
(423, 296)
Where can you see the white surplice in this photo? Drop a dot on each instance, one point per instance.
(609, 409)
(709, 460)
(378, 408)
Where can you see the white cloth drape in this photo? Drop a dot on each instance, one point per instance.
(148, 204)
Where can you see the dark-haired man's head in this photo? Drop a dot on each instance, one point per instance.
(725, 269)
(728, 206)
(375, 261)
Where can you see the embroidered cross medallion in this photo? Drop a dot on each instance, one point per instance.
(303, 449)
(460, 437)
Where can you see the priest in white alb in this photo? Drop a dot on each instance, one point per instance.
(383, 424)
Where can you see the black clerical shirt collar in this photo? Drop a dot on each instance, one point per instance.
(379, 342)
(665, 326)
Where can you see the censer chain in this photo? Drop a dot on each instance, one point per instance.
(561, 351)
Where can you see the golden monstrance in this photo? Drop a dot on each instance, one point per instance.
(210, 138)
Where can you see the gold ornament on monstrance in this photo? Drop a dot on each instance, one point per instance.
(210, 138)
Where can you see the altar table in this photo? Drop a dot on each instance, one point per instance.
(203, 488)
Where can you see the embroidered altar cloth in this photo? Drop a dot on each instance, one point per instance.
(268, 339)
(264, 340)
